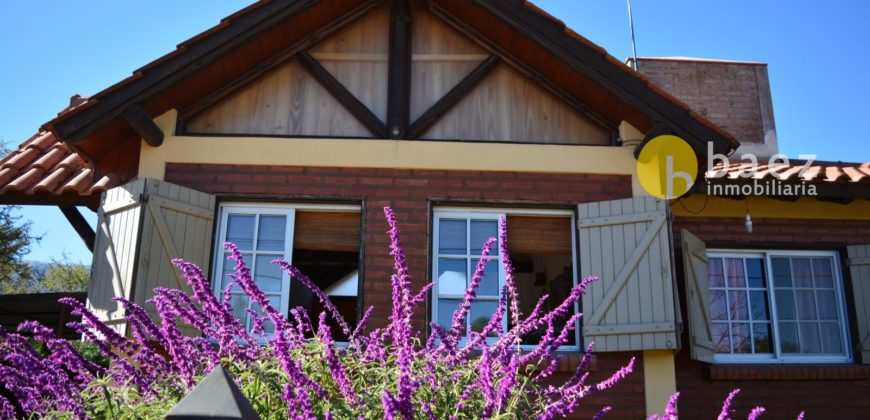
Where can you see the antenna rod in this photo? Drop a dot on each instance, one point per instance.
(633, 48)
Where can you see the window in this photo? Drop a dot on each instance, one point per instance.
(777, 306)
(541, 248)
(322, 241)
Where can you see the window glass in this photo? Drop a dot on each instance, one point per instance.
(807, 320)
(323, 244)
(542, 259)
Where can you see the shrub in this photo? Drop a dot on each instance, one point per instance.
(390, 372)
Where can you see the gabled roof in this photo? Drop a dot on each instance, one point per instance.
(264, 30)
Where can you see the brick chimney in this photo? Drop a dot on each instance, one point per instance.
(733, 94)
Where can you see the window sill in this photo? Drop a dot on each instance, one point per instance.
(781, 372)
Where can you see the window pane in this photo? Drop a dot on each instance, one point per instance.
(240, 230)
(739, 308)
(827, 304)
(229, 268)
(718, 308)
(781, 272)
(451, 276)
(740, 337)
(446, 307)
(801, 272)
(715, 273)
(481, 230)
(734, 272)
(481, 312)
(788, 337)
(806, 304)
(271, 233)
(758, 303)
(451, 237)
(785, 304)
(810, 337)
(268, 325)
(831, 340)
(489, 283)
(721, 338)
(761, 337)
(268, 275)
(822, 272)
(755, 272)
(239, 302)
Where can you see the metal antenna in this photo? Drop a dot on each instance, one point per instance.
(633, 48)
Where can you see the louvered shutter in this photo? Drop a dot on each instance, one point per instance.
(627, 244)
(697, 297)
(142, 226)
(859, 267)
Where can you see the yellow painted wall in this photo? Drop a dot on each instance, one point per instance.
(659, 379)
(376, 153)
(763, 207)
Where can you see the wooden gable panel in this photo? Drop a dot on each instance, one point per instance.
(357, 57)
(441, 58)
(285, 101)
(507, 107)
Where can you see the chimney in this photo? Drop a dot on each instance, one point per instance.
(733, 94)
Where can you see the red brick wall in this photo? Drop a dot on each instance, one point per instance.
(626, 398)
(726, 93)
(408, 192)
(832, 393)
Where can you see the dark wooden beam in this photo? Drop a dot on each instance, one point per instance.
(81, 226)
(521, 67)
(277, 60)
(347, 99)
(399, 74)
(436, 111)
(138, 118)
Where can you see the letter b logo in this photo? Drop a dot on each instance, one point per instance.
(667, 167)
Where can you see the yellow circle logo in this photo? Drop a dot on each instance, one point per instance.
(667, 167)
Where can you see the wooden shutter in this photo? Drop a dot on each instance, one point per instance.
(697, 297)
(627, 244)
(142, 226)
(859, 267)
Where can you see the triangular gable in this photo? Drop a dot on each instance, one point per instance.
(352, 66)
(254, 40)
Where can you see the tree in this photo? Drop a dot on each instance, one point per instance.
(16, 276)
(64, 277)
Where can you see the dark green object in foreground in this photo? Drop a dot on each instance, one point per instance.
(215, 397)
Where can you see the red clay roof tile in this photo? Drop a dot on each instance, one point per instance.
(818, 172)
(43, 165)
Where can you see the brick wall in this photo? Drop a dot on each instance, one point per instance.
(408, 192)
(822, 391)
(729, 94)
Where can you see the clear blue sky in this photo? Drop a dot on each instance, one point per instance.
(818, 54)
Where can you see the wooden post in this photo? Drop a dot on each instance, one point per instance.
(399, 74)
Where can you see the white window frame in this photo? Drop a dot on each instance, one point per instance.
(448, 212)
(777, 356)
(257, 209)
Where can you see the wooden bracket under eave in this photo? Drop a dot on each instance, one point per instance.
(139, 119)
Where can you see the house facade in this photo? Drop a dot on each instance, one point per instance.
(287, 129)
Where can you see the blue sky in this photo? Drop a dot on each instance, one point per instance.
(817, 51)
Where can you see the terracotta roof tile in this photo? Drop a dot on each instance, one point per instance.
(818, 172)
(43, 165)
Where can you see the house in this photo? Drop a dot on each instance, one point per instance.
(289, 126)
